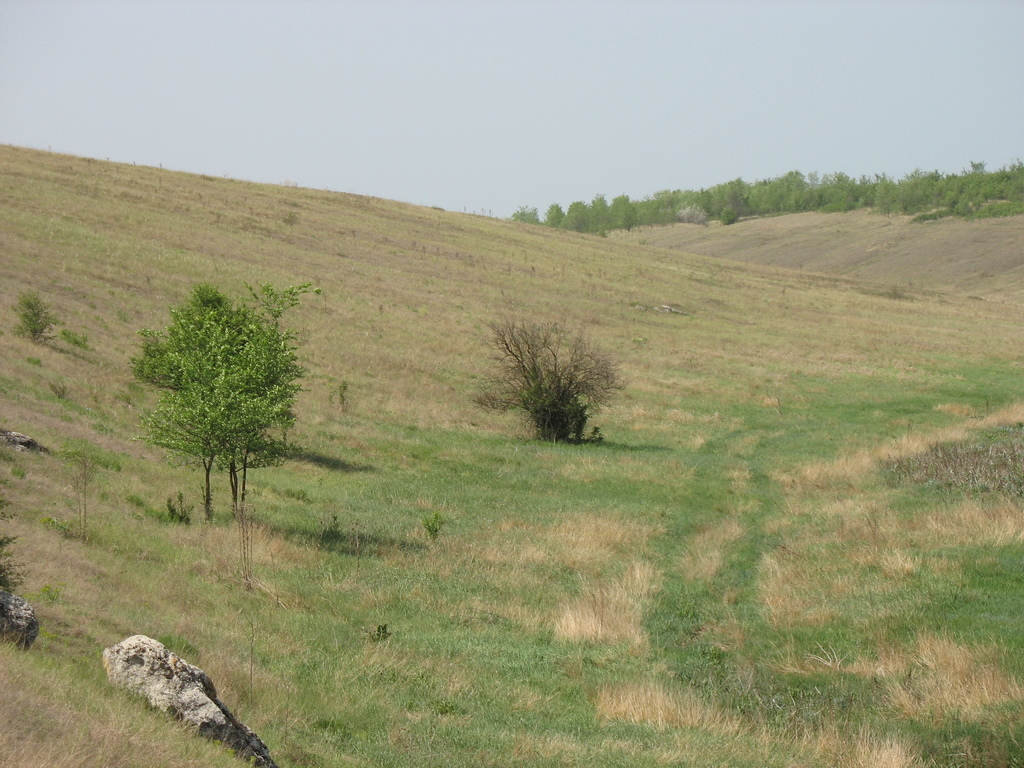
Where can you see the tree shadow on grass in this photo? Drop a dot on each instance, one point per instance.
(328, 462)
(611, 445)
(330, 536)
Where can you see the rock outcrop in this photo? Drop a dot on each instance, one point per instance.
(17, 620)
(19, 442)
(145, 666)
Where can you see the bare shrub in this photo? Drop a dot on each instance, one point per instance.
(973, 466)
(556, 379)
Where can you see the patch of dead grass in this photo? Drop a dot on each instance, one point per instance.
(610, 613)
(850, 469)
(862, 750)
(706, 552)
(944, 677)
(795, 591)
(654, 703)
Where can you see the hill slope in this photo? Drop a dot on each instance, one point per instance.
(984, 257)
(742, 574)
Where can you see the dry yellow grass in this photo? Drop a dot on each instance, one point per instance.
(654, 703)
(48, 724)
(948, 254)
(610, 613)
(945, 677)
(860, 750)
(795, 591)
(706, 550)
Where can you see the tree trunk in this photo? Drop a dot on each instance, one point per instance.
(208, 497)
(233, 479)
(245, 472)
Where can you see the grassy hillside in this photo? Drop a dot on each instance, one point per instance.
(983, 257)
(762, 565)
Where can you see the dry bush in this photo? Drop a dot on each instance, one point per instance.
(967, 465)
(556, 379)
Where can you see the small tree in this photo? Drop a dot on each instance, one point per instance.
(229, 375)
(557, 380)
(35, 320)
(10, 571)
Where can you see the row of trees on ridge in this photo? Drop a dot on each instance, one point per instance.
(974, 193)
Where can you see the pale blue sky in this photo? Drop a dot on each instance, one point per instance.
(488, 105)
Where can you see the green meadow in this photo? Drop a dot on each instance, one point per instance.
(796, 545)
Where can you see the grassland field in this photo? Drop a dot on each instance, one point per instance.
(761, 565)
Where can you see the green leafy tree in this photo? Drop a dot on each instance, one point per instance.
(526, 215)
(229, 377)
(600, 215)
(577, 218)
(35, 319)
(555, 379)
(10, 571)
(623, 213)
(554, 216)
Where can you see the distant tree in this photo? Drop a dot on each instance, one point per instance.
(526, 215)
(229, 378)
(555, 379)
(623, 213)
(554, 216)
(35, 319)
(885, 194)
(599, 219)
(577, 218)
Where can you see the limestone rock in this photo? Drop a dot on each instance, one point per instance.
(145, 666)
(20, 442)
(18, 622)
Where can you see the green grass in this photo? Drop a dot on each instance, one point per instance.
(730, 578)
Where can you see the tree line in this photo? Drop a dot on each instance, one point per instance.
(973, 193)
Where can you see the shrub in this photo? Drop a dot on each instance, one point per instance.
(557, 380)
(79, 340)
(178, 511)
(35, 320)
(433, 524)
(729, 216)
(10, 571)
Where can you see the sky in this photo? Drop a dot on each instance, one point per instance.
(489, 105)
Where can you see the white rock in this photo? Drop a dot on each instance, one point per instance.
(145, 666)
(18, 622)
